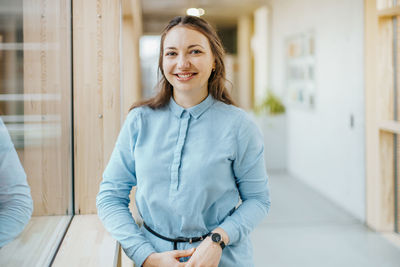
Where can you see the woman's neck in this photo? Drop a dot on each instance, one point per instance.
(190, 99)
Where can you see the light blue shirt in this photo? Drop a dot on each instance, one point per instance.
(15, 195)
(190, 167)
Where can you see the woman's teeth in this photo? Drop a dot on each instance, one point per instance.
(185, 75)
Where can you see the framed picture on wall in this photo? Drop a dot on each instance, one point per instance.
(300, 69)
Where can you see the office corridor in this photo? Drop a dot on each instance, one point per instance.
(304, 229)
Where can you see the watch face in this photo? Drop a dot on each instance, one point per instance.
(216, 237)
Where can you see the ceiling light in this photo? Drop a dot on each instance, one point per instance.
(195, 12)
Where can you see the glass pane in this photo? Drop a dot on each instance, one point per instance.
(35, 104)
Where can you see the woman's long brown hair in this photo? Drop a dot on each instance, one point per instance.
(216, 82)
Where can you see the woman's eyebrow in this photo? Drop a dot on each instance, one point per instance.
(190, 46)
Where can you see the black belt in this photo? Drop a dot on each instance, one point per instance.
(176, 240)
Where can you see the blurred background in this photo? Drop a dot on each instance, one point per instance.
(320, 78)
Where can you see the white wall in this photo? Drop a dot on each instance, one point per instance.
(323, 150)
(259, 45)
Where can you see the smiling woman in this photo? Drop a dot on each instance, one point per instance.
(192, 154)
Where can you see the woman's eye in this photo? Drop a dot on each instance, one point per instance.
(195, 51)
(171, 53)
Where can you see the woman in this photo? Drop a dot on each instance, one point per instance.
(192, 154)
(16, 204)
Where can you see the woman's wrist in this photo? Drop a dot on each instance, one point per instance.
(224, 235)
(150, 261)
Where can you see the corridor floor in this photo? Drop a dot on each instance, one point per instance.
(304, 229)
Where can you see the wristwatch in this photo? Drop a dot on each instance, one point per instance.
(216, 238)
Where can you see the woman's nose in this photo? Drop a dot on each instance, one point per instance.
(183, 62)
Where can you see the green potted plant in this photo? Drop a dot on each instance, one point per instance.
(271, 118)
(271, 105)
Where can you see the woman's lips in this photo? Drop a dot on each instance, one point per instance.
(185, 76)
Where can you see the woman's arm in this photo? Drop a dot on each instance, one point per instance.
(252, 182)
(113, 198)
(15, 198)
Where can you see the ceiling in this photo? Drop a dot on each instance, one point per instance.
(156, 13)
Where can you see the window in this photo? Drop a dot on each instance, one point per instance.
(35, 105)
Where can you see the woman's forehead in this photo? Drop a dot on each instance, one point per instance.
(182, 37)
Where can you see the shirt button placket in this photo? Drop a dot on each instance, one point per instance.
(176, 163)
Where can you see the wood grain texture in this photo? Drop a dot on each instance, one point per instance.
(397, 186)
(131, 73)
(245, 94)
(87, 244)
(97, 99)
(372, 133)
(380, 122)
(37, 243)
(389, 12)
(384, 70)
(46, 156)
(385, 112)
(387, 181)
(390, 126)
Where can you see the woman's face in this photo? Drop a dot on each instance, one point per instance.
(187, 60)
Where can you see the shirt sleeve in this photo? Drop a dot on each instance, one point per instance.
(16, 204)
(113, 198)
(252, 182)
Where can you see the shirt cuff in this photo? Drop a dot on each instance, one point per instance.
(140, 254)
(231, 229)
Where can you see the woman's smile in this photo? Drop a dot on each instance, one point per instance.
(185, 76)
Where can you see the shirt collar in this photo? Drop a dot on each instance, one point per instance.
(195, 111)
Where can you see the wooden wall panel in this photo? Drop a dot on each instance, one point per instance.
(379, 95)
(245, 91)
(97, 98)
(386, 182)
(384, 70)
(131, 32)
(372, 132)
(46, 156)
(385, 112)
(131, 82)
(101, 100)
(397, 185)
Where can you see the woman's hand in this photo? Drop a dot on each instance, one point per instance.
(207, 254)
(168, 258)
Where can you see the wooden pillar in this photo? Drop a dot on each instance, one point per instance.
(380, 123)
(261, 49)
(245, 84)
(131, 33)
(101, 98)
(97, 99)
